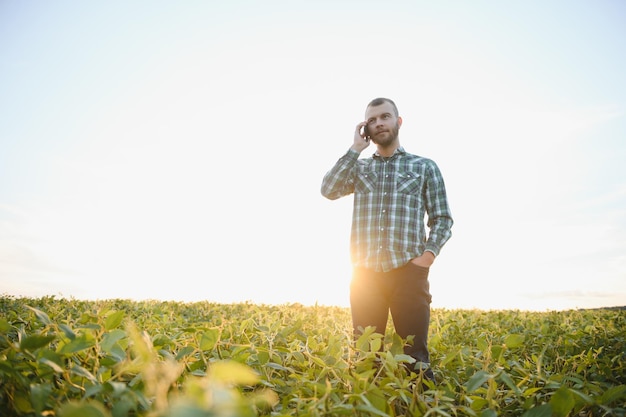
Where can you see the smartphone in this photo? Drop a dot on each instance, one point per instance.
(366, 133)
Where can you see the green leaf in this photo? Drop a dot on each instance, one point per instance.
(117, 388)
(404, 358)
(390, 362)
(5, 326)
(278, 366)
(531, 391)
(477, 380)
(89, 409)
(450, 356)
(376, 398)
(586, 399)
(110, 339)
(482, 343)
(543, 410)
(77, 345)
(82, 372)
(376, 344)
(365, 342)
(488, 413)
(125, 407)
(613, 394)
(31, 343)
(67, 331)
(162, 340)
(22, 403)
(513, 341)
(504, 377)
(39, 394)
(113, 320)
(6, 367)
(186, 351)
(562, 402)
(263, 356)
(230, 372)
(52, 365)
(209, 339)
(397, 345)
(43, 317)
(477, 402)
(496, 351)
(318, 361)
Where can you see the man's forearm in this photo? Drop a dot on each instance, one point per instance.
(336, 182)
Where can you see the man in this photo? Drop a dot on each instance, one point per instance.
(391, 252)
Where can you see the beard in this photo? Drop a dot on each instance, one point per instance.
(389, 139)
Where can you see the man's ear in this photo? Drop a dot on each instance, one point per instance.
(399, 121)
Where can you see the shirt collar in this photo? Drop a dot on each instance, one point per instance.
(399, 151)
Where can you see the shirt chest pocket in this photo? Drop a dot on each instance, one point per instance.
(365, 182)
(409, 183)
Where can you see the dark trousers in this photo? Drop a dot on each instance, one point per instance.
(405, 293)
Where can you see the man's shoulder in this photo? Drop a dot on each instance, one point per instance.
(421, 164)
(413, 158)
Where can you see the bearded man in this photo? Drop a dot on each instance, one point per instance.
(390, 249)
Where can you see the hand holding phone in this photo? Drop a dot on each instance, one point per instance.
(361, 137)
(366, 134)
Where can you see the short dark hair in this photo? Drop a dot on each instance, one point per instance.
(381, 100)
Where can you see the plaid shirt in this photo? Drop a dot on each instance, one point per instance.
(391, 197)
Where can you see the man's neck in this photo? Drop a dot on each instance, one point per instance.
(387, 151)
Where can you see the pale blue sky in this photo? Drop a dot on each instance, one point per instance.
(175, 150)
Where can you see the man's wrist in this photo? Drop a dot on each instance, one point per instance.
(429, 256)
(353, 148)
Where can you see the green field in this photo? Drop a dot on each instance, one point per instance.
(118, 358)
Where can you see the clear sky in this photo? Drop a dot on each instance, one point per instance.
(175, 150)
